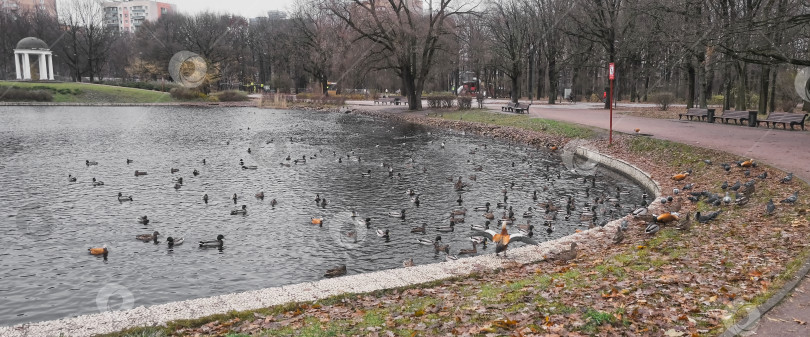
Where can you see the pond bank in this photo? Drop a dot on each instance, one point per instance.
(675, 282)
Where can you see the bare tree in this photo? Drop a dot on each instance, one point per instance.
(406, 39)
(87, 42)
(509, 33)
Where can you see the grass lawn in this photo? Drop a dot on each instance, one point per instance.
(93, 93)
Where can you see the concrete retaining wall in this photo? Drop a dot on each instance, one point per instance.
(623, 167)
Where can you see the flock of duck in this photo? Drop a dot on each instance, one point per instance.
(144, 220)
(591, 210)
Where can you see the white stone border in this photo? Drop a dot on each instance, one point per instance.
(108, 322)
(622, 166)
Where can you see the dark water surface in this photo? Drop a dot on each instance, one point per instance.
(47, 224)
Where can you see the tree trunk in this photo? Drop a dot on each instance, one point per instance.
(515, 88)
(690, 94)
(552, 80)
(530, 77)
(763, 89)
(772, 101)
(324, 85)
(742, 86)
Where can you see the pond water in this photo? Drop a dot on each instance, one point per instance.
(47, 223)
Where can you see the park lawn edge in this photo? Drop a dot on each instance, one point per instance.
(118, 94)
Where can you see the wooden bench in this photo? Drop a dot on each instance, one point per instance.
(737, 116)
(384, 100)
(784, 118)
(521, 108)
(509, 106)
(701, 114)
(391, 100)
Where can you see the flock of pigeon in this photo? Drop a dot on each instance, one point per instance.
(742, 192)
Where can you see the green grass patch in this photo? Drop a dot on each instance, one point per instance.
(72, 92)
(679, 155)
(519, 121)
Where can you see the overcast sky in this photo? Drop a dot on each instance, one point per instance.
(247, 8)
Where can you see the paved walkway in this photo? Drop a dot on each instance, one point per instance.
(787, 150)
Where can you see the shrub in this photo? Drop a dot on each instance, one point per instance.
(15, 94)
(148, 85)
(233, 96)
(716, 100)
(593, 98)
(319, 99)
(440, 100)
(663, 100)
(186, 94)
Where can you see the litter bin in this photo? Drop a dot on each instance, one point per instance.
(710, 115)
(752, 118)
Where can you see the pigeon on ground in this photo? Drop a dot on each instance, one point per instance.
(791, 199)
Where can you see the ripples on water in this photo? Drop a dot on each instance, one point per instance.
(47, 224)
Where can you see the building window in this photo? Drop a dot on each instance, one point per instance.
(164, 10)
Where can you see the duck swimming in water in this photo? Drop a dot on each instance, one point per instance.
(383, 233)
(205, 198)
(122, 198)
(469, 251)
(213, 244)
(174, 242)
(97, 182)
(90, 163)
(447, 229)
(143, 220)
(335, 272)
(482, 208)
(364, 222)
(419, 230)
(395, 214)
(140, 173)
(273, 202)
(71, 178)
(317, 221)
(242, 211)
(148, 237)
(260, 195)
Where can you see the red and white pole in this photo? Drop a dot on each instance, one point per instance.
(611, 76)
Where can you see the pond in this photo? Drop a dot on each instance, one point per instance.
(48, 223)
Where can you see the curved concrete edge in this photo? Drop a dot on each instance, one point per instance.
(621, 166)
(156, 315)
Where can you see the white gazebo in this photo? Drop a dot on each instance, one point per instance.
(33, 46)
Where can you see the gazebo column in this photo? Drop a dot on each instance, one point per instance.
(26, 67)
(17, 65)
(50, 67)
(43, 69)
